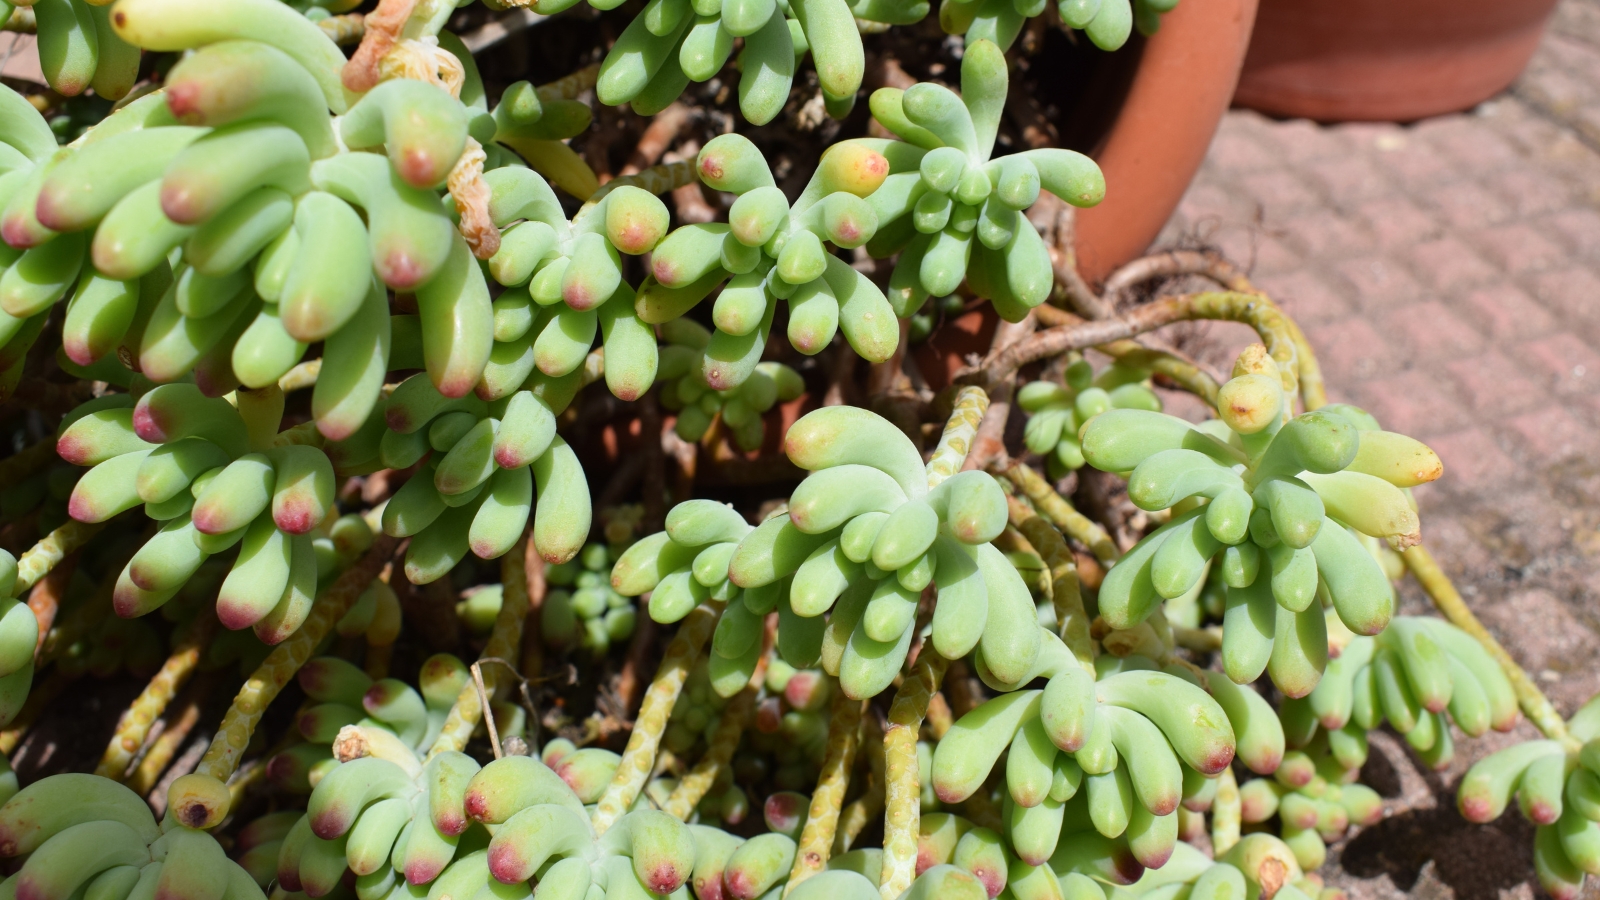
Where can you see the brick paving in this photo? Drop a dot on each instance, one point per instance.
(1448, 273)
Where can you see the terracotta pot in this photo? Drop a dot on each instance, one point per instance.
(1386, 60)
(1160, 132)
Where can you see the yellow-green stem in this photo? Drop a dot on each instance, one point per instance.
(902, 781)
(134, 726)
(1065, 593)
(201, 800)
(505, 642)
(1061, 513)
(165, 747)
(816, 838)
(956, 440)
(1225, 814)
(639, 758)
(856, 816)
(52, 549)
(730, 728)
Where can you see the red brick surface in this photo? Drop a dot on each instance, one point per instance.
(1448, 275)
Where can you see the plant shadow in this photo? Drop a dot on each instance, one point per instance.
(1477, 862)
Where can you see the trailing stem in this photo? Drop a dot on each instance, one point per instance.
(1255, 310)
(724, 741)
(902, 783)
(638, 759)
(1183, 371)
(1065, 591)
(959, 431)
(201, 800)
(505, 641)
(816, 838)
(694, 786)
(856, 816)
(51, 550)
(1061, 513)
(136, 721)
(1226, 811)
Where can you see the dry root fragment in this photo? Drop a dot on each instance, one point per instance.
(471, 195)
(362, 73)
(423, 60)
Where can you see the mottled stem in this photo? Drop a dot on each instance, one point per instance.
(902, 782)
(505, 641)
(724, 741)
(1065, 594)
(51, 550)
(866, 807)
(134, 726)
(1535, 705)
(956, 441)
(568, 87)
(816, 838)
(640, 755)
(1200, 640)
(1061, 513)
(239, 722)
(1225, 814)
(658, 179)
(344, 29)
(162, 750)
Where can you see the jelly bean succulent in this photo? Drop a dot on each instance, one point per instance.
(326, 337)
(950, 209)
(1106, 23)
(1058, 412)
(741, 408)
(82, 833)
(1556, 784)
(1273, 501)
(588, 611)
(772, 250)
(671, 43)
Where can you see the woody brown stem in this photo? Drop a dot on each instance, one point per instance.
(990, 443)
(1251, 309)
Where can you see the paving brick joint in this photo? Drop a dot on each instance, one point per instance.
(1448, 273)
